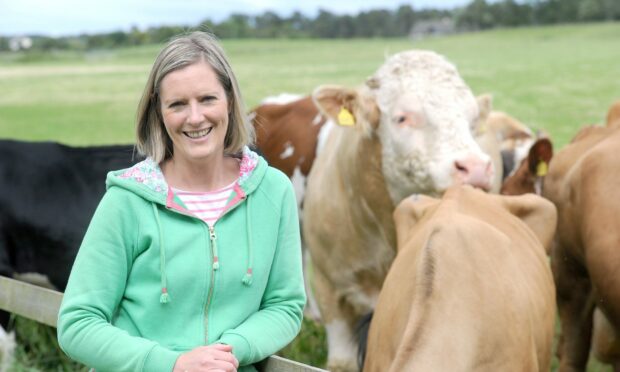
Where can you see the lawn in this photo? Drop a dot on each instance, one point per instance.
(551, 78)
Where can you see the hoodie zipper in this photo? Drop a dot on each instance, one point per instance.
(213, 239)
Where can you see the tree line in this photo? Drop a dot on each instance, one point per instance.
(401, 22)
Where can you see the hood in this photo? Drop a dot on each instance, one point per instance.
(146, 180)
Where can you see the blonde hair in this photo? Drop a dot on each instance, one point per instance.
(152, 139)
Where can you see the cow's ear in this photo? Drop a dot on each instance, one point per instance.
(539, 157)
(347, 107)
(485, 105)
(408, 213)
(335, 101)
(613, 115)
(537, 213)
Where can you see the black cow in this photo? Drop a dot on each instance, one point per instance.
(48, 194)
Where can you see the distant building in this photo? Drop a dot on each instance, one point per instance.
(20, 43)
(433, 27)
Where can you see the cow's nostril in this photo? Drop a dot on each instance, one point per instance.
(460, 167)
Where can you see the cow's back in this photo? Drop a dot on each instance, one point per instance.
(49, 193)
(581, 181)
(287, 134)
(470, 290)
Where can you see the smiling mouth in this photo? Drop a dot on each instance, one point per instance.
(198, 133)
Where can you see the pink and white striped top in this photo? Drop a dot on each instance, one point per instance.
(207, 206)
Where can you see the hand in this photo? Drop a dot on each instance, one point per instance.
(211, 358)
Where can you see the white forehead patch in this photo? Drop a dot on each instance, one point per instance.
(429, 77)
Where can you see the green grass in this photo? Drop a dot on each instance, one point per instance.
(552, 78)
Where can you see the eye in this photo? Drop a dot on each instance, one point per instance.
(175, 104)
(401, 119)
(208, 99)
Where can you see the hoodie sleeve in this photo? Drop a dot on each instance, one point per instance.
(279, 319)
(95, 288)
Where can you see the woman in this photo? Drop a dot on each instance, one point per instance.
(192, 259)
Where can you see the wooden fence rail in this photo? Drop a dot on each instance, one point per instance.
(42, 304)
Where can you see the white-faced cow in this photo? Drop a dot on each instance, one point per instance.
(49, 194)
(290, 131)
(470, 288)
(407, 130)
(582, 182)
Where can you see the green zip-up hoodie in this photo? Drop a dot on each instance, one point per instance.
(151, 281)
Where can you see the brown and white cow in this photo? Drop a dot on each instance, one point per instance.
(287, 133)
(470, 289)
(407, 130)
(582, 182)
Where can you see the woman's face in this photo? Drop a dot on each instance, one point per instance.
(194, 108)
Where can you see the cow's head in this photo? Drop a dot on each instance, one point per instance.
(420, 109)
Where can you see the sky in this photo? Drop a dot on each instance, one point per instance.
(73, 17)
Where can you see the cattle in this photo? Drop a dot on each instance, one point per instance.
(287, 134)
(470, 288)
(582, 182)
(529, 175)
(289, 127)
(407, 130)
(49, 194)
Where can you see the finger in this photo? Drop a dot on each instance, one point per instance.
(223, 365)
(222, 347)
(224, 356)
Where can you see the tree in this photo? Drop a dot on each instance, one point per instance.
(476, 16)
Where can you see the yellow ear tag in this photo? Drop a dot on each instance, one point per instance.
(345, 117)
(541, 168)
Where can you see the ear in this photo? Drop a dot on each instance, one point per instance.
(408, 213)
(330, 99)
(539, 156)
(485, 105)
(613, 115)
(537, 213)
(347, 107)
(485, 102)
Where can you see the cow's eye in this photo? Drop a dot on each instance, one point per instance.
(401, 119)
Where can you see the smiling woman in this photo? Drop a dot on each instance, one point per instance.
(194, 109)
(173, 236)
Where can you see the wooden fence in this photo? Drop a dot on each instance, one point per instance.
(42, 304)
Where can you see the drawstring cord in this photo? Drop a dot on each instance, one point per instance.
(247, 278)
(165, 297)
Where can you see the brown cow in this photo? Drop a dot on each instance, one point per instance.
(470, 288)
(287, 134)
(582, 182)
(407, 130)
(528, 177)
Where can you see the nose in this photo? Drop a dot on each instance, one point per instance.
(195, 115)
(475, 171)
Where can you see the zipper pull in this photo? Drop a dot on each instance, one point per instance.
(216, 263)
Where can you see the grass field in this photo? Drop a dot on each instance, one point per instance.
(552, 78)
